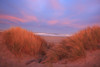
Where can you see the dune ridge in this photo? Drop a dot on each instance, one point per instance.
(79, 46)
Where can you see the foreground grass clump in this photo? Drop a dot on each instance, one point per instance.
(20, 42)
(74, 47)
(88, 39)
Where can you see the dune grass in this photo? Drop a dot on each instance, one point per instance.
(74, 47)
(20, 41)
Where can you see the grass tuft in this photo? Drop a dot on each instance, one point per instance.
(74, 47)
(20, 41)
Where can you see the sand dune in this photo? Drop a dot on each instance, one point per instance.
(7, 59)
(79, 50)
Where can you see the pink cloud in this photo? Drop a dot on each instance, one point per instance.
(53, 22)
(26, 18)
(75, 23)
(65, 22)
(29, 17)
(56, 4)
(68, 21)
(71, 23)
(77, 26)
(12, 18)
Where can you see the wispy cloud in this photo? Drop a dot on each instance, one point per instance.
(55, 4)
(53, 22)
(26, 18)
(41, 15)
(52, 34)
(66, 22)
(12, 18)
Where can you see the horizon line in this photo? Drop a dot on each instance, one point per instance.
(47, 34)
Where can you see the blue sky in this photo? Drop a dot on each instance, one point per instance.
(49, 16)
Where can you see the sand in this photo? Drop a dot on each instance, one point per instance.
(53, 39)
(7, 59)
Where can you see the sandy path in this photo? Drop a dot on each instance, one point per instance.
(53, 39)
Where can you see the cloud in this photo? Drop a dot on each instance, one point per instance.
(53, 22)
(77, 26)
(12, 18)
(66, 22)
(28, 17)
(52, 34)
(60, 21)
(71, 23)
(56, 4)
(15, 19)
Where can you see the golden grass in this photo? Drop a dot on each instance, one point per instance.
(20, 41)
(87, 39)
(74, 47)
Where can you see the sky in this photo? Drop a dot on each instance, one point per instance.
(49, 16)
